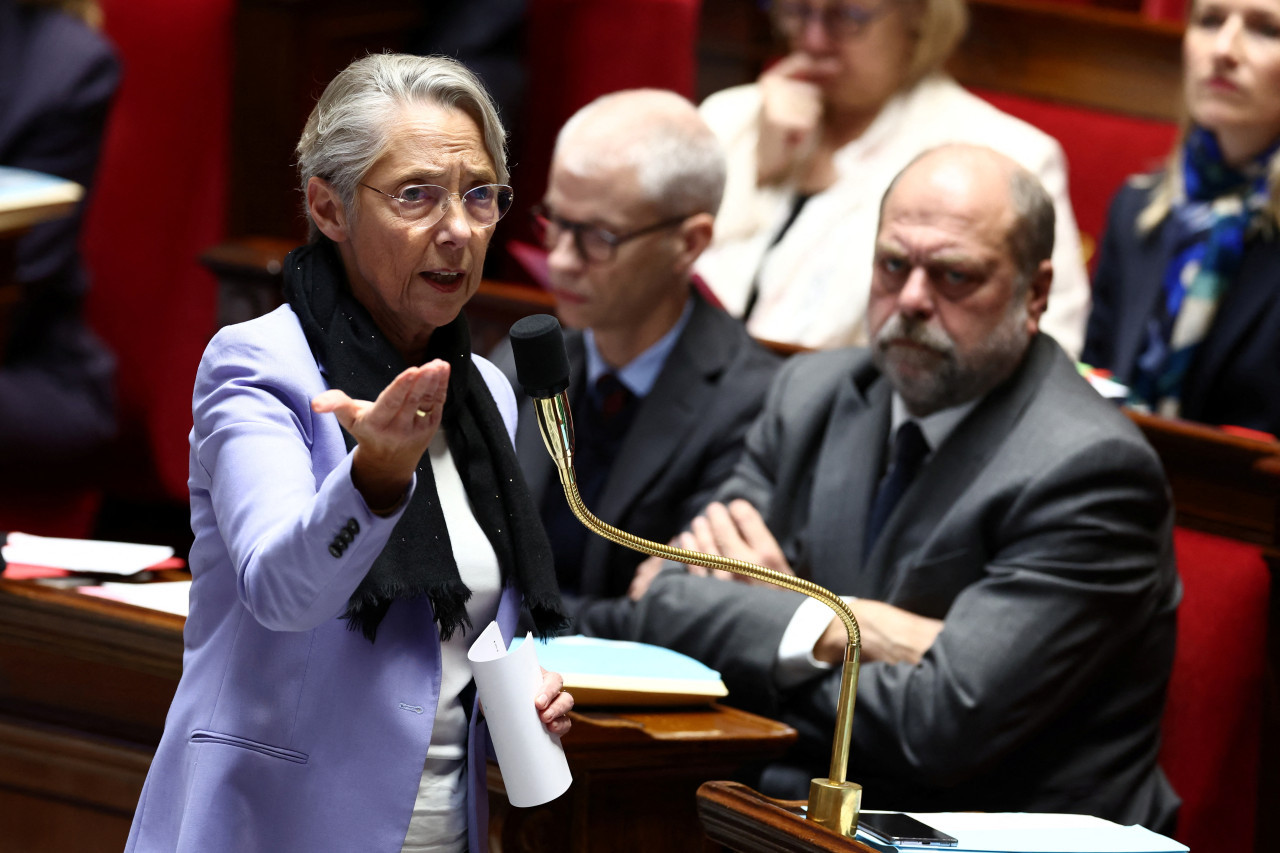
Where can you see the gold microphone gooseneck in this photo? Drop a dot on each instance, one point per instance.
(543, 370)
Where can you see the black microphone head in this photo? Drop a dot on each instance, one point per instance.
(542, 365)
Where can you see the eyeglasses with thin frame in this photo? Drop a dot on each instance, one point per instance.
(426, 204)
(840, 20)
(593, 242)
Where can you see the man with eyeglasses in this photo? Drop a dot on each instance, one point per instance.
(664, 383)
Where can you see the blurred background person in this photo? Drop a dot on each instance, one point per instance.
(813, 145)
(1185, 304)
(358, 510)
(58, 75)
(664, 383)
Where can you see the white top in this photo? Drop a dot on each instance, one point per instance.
(814, 284)
(439, 821)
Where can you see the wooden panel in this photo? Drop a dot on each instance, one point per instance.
(636, 774)
(1094, 57)
(63, 791)
(286, 53)
(1222, 483)
(1086, 56)
(97, 666)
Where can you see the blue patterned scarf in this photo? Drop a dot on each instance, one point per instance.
(1211, 227)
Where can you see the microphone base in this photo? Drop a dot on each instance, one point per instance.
(835, 805)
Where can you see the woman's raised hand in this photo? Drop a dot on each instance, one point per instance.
(790, 119)
(392, 432)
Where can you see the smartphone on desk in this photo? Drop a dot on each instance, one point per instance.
(902, 830)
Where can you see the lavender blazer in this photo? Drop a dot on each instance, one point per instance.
(288, 731)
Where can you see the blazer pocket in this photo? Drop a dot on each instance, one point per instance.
(203, 736)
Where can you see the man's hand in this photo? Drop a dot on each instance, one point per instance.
(737, 531)
(889, 634)
(645, 573)
(390, 434)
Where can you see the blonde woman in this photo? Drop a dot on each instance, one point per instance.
(813, 145)
(1186, 312)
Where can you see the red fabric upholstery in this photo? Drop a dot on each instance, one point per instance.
(577, 51)
(581, 49)
(1165, 10)
(1102, 149)
(1213, 718)
(61, 513)
(159, 202)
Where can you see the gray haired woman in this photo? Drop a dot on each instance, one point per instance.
(358, 510)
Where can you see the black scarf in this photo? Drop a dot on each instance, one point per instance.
(418, 559)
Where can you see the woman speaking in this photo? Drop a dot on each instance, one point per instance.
(358, 511)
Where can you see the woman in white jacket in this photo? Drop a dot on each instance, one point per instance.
(813, 145)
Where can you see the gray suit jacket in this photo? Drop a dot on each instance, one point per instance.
(686, 437)
(1039, 530)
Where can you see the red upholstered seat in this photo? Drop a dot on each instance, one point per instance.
(1102, 149)
(577, 51)
(1213, 717)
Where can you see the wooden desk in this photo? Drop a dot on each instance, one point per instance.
(1222, 483)
(745, 821)
(85, 684)
(636, 774)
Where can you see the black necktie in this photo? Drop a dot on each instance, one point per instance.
(909, 450)
(601, 422)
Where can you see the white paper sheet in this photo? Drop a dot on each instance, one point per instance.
(168, 597)
(83, 555)
(534, 769)
(1026, 832)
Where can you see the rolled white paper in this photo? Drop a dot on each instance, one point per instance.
(534, 769)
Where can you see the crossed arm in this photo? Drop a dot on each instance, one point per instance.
(889, 634)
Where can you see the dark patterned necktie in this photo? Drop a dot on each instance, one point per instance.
(612, 397)
(600, 422)
(909, 450)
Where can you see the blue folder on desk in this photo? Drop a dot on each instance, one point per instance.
(619, 672)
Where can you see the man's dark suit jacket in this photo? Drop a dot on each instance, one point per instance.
(1235, 375)
(682, 445)
(1039, 531)
(57, 78)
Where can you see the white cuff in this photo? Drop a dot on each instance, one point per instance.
(796, 663)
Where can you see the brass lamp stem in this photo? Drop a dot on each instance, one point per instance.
(833, 802)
